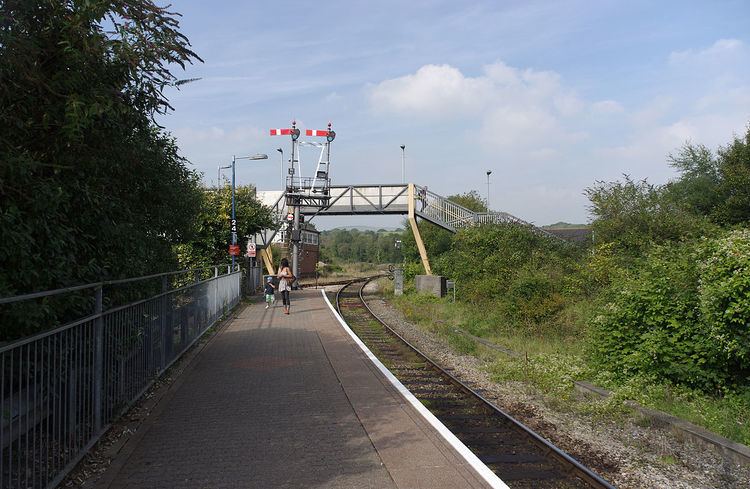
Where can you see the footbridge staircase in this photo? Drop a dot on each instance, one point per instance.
(405, 199)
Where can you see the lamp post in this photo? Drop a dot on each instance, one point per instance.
(234, 219)
(489, 172)
(281, 156)
(218, 175)
(403, 163)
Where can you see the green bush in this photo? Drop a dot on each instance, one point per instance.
(411, 270)
(724, 294)
(674, 321)
(528, 278)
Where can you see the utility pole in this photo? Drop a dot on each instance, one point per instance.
(489, 172)
(281, 151)
(403, 163)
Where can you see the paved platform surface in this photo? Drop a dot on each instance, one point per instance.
(277, 401)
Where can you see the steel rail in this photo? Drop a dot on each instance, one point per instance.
(574, 465)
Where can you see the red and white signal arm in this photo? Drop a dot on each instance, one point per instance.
(281, 132)
(329, 134)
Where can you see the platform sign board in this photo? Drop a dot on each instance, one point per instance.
(251, 250)
(234, 250)
(398, 281)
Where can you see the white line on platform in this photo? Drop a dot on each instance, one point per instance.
(490, 477)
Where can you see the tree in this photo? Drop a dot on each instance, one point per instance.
(734, 170)
(92, 189)
(471, 200)
(634, 215)
(209, 245)
(717, 186)
(697, 189)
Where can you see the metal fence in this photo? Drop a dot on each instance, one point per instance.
(59, 390)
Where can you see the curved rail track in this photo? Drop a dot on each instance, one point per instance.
(520, 457)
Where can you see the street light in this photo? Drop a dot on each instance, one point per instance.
(489, 172)
(281, 155)
(403, 163)
(218, 176)
(258, 156)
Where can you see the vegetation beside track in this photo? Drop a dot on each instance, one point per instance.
(658, 309)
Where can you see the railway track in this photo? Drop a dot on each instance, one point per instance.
(520, 457)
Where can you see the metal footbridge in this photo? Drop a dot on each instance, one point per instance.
(405, 199)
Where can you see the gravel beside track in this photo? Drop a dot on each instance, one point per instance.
(628, 455)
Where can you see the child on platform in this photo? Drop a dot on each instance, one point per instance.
(269, 291)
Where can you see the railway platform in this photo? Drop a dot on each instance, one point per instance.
(286, 401)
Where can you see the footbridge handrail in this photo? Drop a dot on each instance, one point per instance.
(445, 213)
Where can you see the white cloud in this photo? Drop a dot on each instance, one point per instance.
(705, 100)
(720, 51)
(434, 90)
(607, 107)
(516, 107)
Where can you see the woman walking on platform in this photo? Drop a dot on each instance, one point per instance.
(285, 283)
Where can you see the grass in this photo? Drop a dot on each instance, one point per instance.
(552, 357)
(349, 270)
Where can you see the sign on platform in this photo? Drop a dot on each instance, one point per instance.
(234, 250)
(250, 249)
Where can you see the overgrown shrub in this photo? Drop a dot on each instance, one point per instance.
(682, 315)
(724, 293)
(527, 277)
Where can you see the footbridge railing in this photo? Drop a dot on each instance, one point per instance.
(445, 213)
(62, 388)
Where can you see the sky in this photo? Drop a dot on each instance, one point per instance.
(550, 96)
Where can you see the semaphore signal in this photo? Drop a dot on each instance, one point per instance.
(309, 192)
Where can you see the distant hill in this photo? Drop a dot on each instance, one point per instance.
(565, 225)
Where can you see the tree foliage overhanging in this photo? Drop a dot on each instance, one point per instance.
(91, 187)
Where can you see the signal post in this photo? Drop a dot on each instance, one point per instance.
(310, 191)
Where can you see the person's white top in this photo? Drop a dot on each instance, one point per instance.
(283, 282)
